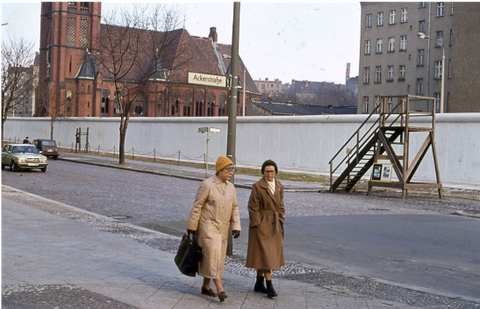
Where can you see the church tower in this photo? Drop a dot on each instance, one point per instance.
(68, 75)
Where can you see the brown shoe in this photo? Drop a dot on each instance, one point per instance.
(222, 296)
(208, 292)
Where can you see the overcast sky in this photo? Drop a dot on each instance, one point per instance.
(303, 41)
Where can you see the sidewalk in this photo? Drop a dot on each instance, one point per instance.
(57, 256)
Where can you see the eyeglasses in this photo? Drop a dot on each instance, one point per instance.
(268, 172)
(230, 168)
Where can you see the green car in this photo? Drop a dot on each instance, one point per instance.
(47, 147)
(23, 156)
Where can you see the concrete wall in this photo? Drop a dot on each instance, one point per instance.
(304, 143)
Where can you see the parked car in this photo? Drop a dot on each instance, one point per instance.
(47, 147)
(23, 156)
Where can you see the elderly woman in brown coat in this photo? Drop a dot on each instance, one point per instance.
(265, 234)
(215, 209)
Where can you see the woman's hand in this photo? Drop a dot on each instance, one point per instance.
(236, 234)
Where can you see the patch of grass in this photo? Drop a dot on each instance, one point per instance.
(239, 170)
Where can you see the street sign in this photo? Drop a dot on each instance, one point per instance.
(207, 79)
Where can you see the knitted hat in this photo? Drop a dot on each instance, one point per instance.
(222, 162)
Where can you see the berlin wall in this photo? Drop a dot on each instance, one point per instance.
(296, 143)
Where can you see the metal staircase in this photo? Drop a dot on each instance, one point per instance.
(385, 139)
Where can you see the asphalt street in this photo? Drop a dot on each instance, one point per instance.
(299, 198)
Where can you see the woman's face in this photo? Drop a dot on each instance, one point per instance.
(226, 173)
(269, 172)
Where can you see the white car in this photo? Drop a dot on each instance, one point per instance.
(23, 156)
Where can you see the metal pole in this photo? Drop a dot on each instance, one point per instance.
(232, 106)
(244, 89)
(442, 89)
(206, 159)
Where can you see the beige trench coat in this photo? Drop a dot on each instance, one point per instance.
(214, 210)
(265, 232)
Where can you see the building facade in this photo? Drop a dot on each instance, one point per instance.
(395, 61)
(73, 83)
(465, 73)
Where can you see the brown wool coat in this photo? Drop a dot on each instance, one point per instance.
(265, 232)
(214, 210)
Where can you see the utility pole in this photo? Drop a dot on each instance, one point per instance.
(232, 105)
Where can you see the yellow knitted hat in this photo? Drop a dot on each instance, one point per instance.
(222, 162)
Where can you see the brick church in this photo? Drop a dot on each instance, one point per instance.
(72, 83)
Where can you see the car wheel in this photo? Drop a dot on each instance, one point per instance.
(13, 167)
(55, 157)
(44, 169)
(3, 166)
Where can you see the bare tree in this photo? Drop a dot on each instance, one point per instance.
(136, 51)
(17, 75)
(57, 111)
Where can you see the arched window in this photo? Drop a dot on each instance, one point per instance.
(223, 104)
(176, 98)
(199, 104)
(105, 101)
(211, 104)
(187, 106)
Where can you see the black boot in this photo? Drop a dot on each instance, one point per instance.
(270, 290)
(260, 285)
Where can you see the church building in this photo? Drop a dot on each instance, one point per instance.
(73, 83)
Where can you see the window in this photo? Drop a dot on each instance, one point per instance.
(380, 19)
(390, 75)
(401, 70)
(379, 46)
(440, 9)
(421, 26)
(391, 45)
(389, 104)
(377, 101)
(437, 101)
(449, 68)
(403, 42)
(366, 75)
(419, 86)
(366, 103)
(438, 69)
(421, 57)
(393, 15)
(368, 20)
(404, 17)
(439, 39)
(378, 74)
(423, 5)
(368, 47)
(450, 39)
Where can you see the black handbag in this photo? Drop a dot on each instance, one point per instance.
(188, 255)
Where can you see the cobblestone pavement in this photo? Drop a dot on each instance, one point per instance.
(457, 201)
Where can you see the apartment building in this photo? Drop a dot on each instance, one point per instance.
(394, 60)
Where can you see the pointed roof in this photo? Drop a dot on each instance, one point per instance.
(89, 68)
(180, 53)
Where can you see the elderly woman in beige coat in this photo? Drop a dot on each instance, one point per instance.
(214, 211)
(265, 234)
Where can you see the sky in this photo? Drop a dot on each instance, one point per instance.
(302, 41)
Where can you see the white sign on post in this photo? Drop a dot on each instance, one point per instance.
(207, 79)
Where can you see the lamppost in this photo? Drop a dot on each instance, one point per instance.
(422, 35)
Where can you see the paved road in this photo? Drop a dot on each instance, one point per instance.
(163, 203)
